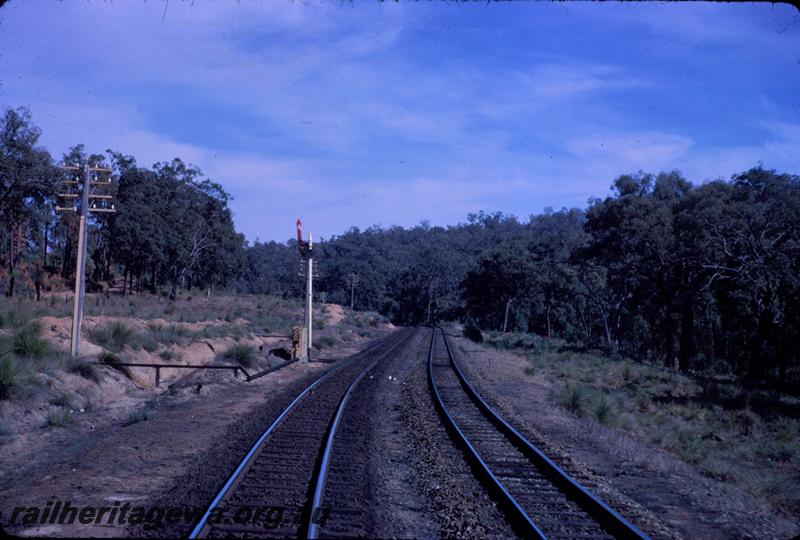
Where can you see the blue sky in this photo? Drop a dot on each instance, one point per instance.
(392, 113)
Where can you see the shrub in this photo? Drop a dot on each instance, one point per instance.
(15, 317)
(61, 400)
(603, 410)
(113, 336)
(243, 354)
(136, 416)
(12, 375)
(28, 342)
(528, 342)
(5, 434)
(150, 346)
(173, 334)
(58, 418)
(325, 341)
(114, 361)
(85, 369)
(574, 398)
(472, 332)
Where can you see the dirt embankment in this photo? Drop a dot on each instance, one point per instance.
(79, 431)
(134, 453)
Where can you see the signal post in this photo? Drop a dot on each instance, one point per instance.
(305, 248)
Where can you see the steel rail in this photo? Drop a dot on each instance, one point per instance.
(312, 527)
(246, 460)
(319, 490)
(611, 521)
(202, 523)
(519, 518)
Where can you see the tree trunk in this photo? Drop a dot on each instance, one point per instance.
(609, 342)
(687, 337)
(505, 317)
(174, 292)
(583, 323)
(669, 335)
(11, 260)
(549, 326)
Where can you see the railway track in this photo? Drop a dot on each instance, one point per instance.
(278, 488)
(539, 499)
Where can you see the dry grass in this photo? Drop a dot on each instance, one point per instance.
(733, 435)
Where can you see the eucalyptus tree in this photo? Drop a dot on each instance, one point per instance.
(26, 179)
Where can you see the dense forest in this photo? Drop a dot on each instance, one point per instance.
(694, 276)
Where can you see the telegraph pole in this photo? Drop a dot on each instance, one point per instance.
(91, 189)
(352, 280)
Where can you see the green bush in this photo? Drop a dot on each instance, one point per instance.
(325, 341)
(472, 332)
(12, 375)
(529, 342)
(603, 409)
(85, 369)
(114, 361)
(136, 416)
(28, 342)
(15, 317)
(5, 434)
(59, 418)
(113, 336)
(574, 398)
(242, 354)
(61, 400)
(174, 334)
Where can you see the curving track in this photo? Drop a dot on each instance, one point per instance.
(276, 491)
(539, 498)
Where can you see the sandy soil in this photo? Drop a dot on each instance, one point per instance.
(334, 313)
(626, 472)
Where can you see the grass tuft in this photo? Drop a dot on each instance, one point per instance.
(137, 415)
(603, 409)
(242, 354)
(325, 341)
(114, 361)
(59, 418)
(12, 376)
(574, 398)
(85, 369)
(28, 342)
(15, 317)
(113, 336)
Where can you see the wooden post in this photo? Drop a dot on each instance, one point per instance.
(80, 269)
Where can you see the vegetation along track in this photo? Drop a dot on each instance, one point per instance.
(538, 497)
(277, 488)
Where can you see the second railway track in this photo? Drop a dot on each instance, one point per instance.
(276, 491)
(538, 497)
